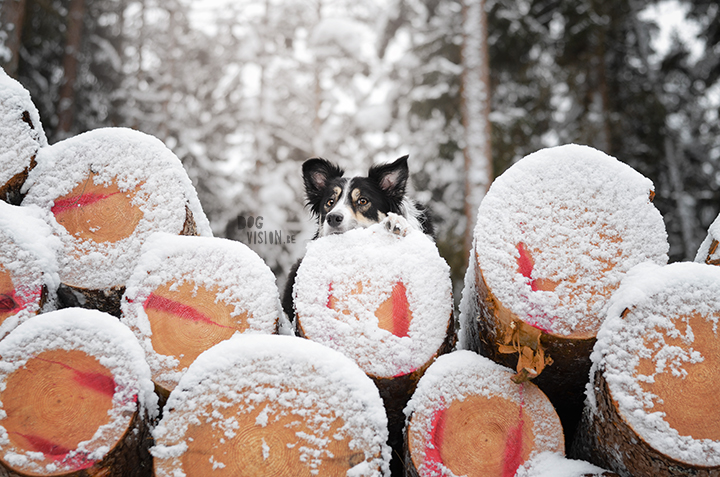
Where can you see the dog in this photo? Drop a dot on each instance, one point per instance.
(342, 203)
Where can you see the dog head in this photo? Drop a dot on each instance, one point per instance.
(342, 203)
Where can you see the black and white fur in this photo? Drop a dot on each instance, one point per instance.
(343, 203)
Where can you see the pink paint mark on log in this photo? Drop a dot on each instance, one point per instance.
(99, 382)
(50, 449)
(156, 302)
(14, 303)
(513, 454)
(526, 264)
(63, 205)
(433, 459)
(400, 311)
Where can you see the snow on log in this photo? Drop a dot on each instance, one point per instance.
(551, 464)
(555, 235)
(21, 135)
(105, 192)
(272, 405)
(28, 265)
(467, 417)
(709, 252)
(190, 293)
(652, 409)
(75, 398)
(383, 300)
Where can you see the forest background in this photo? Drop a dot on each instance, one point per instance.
(244, 90)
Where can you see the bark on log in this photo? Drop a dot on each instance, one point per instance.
(556, 233)
(189, 293)
(106, 191)
(383, 300)
(709, 252)
(655, 395)
(76, 398)
(468, 417)
(21, 136)
(272, 405)
(28, 268)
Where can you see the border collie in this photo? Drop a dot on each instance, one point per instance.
(343, 203)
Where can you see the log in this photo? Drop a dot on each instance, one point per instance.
(272, 406)
(105, 192)
(189, 293)
(28, 266)
(653, 407)
(468, 417)
(385, 301)
(76, 398)
(21, 136)
(551, 464)
(555, 235)
(709, 252)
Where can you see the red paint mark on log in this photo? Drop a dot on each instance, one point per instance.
(7, 303)
(63, 205)
(526, 264)
(14, 303)
(400, 310)
(433, 459)
(99, 382)
(156, 302)
(50, 449)
(512, 456)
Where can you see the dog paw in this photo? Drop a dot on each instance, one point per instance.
(397, 224)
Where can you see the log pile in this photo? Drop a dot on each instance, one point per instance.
(76, 398)
(272, 406)
(653, 404)
(555, 235)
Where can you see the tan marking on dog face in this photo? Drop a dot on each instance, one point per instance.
(361, 204)
(332, 201)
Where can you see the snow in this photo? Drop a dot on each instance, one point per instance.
(461, 374)
(585, 219)
(288, 376)
(378, 260)
(241, 277)
(99, 335)
(28, 254)
(551, 464)
(661, 300)
(703, 252)
(133, 159)
(18, 142)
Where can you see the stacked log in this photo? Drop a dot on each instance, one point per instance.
(28, 266)
(272, 406)
(467, 417)
(76, 398)
(190, 293)
(555, 235)
(21, 136)
(709, 252)
(105, 192)
(652, 408)
(385, 301)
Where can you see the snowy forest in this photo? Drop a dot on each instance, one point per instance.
(243, 91)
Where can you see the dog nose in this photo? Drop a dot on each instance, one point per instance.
(334, 220)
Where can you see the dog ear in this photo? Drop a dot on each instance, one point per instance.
(392, 178)
(317, 172)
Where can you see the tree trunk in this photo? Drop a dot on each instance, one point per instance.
(202, 292)
(73, 42)
(272, 405)
(470, 418)
(475, 112)
(13, 17)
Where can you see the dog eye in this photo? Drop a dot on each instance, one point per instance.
(362, 201)
(329, 203)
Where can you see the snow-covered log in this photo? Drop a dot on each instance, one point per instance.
(652, 409)
(272, 405)
(382, 299)
(28, 265)
(76, 398)
(555, 235)
(189, 293)
(709, 252)
(21, 135)
(105, 192)
(468, 417)
(553, 464)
